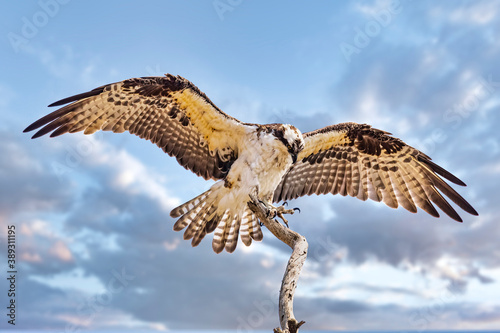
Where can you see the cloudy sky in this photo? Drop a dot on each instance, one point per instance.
(95, 245)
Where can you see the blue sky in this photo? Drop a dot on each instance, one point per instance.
(96, 249)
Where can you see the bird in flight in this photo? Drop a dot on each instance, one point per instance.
(272, 162)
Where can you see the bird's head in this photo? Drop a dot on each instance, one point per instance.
(291, 137)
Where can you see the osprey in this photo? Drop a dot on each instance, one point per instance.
(273, 162)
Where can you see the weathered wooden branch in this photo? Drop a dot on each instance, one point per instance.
(299, 245)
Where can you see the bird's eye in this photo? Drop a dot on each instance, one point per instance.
(289, 147)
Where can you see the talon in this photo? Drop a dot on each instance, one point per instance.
(273, 212)
(270, 210)
(297, 208)
(285, 221)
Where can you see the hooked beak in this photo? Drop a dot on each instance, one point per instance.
(294, 157)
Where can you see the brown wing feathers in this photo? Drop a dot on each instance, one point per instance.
(169, 111)
(364, 162)
(349, 158)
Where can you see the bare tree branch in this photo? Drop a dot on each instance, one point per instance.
(299, 245)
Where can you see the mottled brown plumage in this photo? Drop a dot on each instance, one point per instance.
(151, 108)
(273, 161)
(367, 163)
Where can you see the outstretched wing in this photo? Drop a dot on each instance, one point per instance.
(169, 111)
(363, 162)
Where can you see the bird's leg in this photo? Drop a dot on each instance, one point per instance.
(282, 210)
(272, 211)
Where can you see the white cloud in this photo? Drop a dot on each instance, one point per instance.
(374, 7)
(31, 257)
(478, 12)
(61, 251)
(75, 279)
(170, 246)
(124, 171)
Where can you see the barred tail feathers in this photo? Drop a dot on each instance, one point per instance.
(204, 214)
(230, 226)
(189, 205)
(250, 228)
